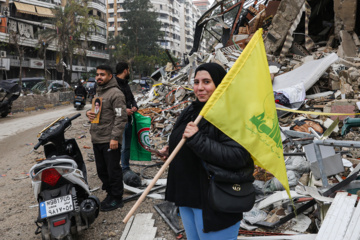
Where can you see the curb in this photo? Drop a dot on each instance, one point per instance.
(45, 106)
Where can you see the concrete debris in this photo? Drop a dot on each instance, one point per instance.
(314, 64)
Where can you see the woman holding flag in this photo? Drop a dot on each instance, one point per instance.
(188, 183)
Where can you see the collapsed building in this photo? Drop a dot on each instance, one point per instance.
(312, 49)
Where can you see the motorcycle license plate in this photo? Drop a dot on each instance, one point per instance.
(56, 206)
(77, 103)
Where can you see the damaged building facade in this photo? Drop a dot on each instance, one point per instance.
(26, 19)
(313, 54)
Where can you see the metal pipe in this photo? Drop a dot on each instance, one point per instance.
(330, 142)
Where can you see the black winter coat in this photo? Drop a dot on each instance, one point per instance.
(125, 88)
(80, 90)
(188, 182)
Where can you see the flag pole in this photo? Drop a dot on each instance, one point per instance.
(158, 174)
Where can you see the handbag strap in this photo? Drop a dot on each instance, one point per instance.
(206, 169)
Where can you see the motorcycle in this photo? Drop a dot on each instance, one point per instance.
(79, 102)
(66, 206)
(9, 92)
(91, 96)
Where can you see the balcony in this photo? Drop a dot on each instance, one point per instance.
(101, 3)
(42, 3)
(97, 6)
(97, 54)
(98, 38)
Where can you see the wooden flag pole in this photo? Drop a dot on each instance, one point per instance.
(157, 176)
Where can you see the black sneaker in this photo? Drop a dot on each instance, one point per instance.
(106, 200)
(111, 204)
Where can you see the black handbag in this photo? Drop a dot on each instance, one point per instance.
(231, 197)
(229, 192)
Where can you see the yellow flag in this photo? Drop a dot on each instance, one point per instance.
(243, 107)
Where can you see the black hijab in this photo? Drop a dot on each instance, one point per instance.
(216, 71)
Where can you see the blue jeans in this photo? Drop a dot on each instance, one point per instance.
(125, 147)
(193, 224)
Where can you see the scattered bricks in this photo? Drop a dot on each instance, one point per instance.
(343, 106)
(149, 112)
(159, 125)
(335, 85)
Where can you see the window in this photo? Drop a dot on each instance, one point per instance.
(111, 5)
(160, 6)
(111, 14)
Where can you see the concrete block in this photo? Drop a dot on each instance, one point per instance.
(347, 48)
(345, 15)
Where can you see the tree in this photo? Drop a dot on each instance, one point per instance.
(72, 26)
(15, 38)
(141, 30)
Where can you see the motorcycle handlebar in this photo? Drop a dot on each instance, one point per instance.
(37, 145)
(74, 117)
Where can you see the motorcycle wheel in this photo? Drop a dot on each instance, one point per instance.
(4, 114)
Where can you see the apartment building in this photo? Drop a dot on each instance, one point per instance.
(26, 18)
(202, 5)
(191, 15)
(178, 19)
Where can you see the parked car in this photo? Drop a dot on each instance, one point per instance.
(54, 86)
(28, 82)
(145, 82)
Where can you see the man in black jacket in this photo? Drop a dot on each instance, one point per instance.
(122, 77)
(81, 90)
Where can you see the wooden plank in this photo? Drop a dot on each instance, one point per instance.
(327, 225)
(334, 222)
(338, 217)
(345, 216)
(353, 230)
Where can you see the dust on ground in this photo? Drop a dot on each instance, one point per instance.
(18, 206)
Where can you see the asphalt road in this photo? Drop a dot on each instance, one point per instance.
(21, 122)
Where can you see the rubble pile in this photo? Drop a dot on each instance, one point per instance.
(314, 63)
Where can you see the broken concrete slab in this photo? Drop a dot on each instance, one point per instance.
(141, 221)
(347, 47)
(345, 15)
(276, 198)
